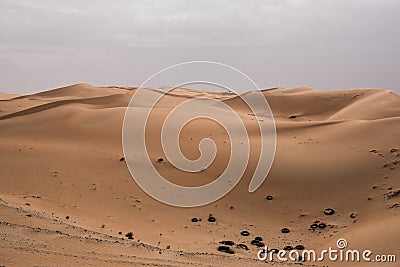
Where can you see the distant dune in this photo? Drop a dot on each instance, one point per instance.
(67, 199)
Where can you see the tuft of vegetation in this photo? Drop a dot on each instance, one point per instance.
(129, 235)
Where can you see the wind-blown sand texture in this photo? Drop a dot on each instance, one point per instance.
(65, 195)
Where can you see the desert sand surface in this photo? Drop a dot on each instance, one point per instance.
(67, 198)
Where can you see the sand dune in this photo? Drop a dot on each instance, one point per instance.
(65, 195)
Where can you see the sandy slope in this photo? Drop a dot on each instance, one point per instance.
(60, 156)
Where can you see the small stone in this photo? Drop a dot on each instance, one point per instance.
(225, 249)
(329, 211)
(227, 242)
(258, 238)
(243, 246)
(254, 242)
(260, 244)
(244, 233)
(211, 218)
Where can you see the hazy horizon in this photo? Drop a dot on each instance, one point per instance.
(319, 44)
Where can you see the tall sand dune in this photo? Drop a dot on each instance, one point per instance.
(67, 198)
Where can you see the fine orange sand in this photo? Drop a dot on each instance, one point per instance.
(65, 195)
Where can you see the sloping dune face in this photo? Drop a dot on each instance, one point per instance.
(67, 197)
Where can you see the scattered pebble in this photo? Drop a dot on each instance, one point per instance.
(260, 244)
(285, 230)
(211, 218)
(292, 116)
(67, 217)
(258, 238)
(225, 249)
(353, 215)
(299, 247)
(329, 211)
(243, 246)
(244, 233)
(195, 220)
(314, 226)
(322, 225)
(288, 248)
(269, 197)
(254, 242)
(227, 242)
(122, 159)
(160, 160)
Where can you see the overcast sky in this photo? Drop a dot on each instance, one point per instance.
(318, 43)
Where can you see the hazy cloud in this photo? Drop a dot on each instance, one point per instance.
(319, 43)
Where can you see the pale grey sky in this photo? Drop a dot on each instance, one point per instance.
(318, 43)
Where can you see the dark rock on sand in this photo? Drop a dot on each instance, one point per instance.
(211, 218)
(243, 246)
(227, 242)
(329, 211)
(244, 233)
(260, 244)
(226, 249)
